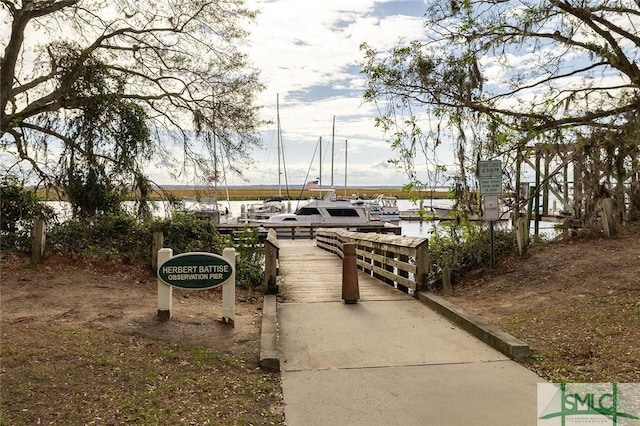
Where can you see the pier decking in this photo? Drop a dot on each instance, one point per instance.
(315, 275)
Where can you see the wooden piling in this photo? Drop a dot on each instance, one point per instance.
(608, 218)
(38, 234)
(350, 288)
(522, 234)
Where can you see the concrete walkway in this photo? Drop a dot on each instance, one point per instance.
(387, 360)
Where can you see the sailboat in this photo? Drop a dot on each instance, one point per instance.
(272, 205)
(208, 208)
(330, 208)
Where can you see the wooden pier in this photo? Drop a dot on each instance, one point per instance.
(386, 263)
(320, 280)
(288, 231)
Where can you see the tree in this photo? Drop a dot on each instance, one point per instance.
(500, 74)
(100, 88)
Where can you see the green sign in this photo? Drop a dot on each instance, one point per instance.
(490, 176)
(490, 185)
(490, 168)
(195, 270)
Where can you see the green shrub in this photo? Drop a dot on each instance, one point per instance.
(184, 233)
(19, 207)
(461, 247)
(249, 258)
(122, 233)
(107, 234)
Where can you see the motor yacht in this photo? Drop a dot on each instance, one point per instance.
(329, 209)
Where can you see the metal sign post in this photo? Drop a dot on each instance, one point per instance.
(490, 177)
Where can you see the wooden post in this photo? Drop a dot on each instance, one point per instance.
(577, 189)
(522, 234)
(446, 272)
(608, 219)
(271, 252)
(536, 194)
(516, 212)
(39, 236)
(492, 254)
(565, 185)
(422, 266)
(350, 287)
(545, 184)
(158, 243)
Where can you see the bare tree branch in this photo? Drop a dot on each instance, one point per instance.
(166, 56)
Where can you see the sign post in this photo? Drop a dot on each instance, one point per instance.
(490, 177)
(165, 291)
(196, 271)
(229, 288)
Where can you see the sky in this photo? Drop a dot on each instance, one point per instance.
(308, 54)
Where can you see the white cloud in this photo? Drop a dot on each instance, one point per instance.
(308, 53)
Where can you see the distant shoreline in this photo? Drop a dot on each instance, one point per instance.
(262, 192)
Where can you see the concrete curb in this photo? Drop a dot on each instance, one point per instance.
(494, 337)
(269, 353)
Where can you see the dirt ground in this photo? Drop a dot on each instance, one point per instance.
(82, 344)
(576, 302)
(122, 298)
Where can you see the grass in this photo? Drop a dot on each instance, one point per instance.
(262, 192)
(593, 340)
(100, 377)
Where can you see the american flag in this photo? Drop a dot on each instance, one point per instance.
(312, 184)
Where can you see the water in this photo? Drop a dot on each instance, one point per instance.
(161, 209)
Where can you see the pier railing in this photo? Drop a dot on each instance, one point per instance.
(302, 231)
(394, 259)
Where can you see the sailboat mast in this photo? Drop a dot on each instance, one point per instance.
(279, 143)
(215, 147)
(320, 177)
(333, 139)
(345, 167)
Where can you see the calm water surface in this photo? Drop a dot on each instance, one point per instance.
(161, 209)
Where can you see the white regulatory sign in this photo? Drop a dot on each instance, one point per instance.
(491, 208)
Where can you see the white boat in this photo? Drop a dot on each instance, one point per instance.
(207, 208)
(263, 211)
(385, 208)
(328, 210)
(270, 205)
